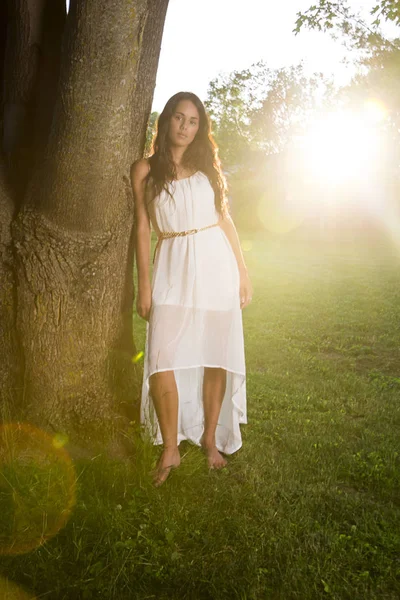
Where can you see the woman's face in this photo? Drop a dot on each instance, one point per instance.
(184, 124)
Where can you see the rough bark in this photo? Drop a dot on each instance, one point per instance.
(21, 24)
(7, 315)
(10, 367)
(53, 24)
(70, 289)
(73, 236)
(89, 146)
(3, 38)
(140, 109)
(24, 30)
(141, 104)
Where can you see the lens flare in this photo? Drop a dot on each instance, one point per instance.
(281, 215)
(375, 110)
(247, 245)
(137, 357)
(11, 591)
(37, 486)
(60, 440)
(343, 146)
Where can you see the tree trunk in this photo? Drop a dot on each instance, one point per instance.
(20, 75)
(53, 24)
(3, 38)
(10, 367)
(72, 237)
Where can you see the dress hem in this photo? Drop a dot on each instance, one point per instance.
(241, 420)
(197, 367)
(155, 435)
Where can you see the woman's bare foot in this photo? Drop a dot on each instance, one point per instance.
(214, 458)
(169, 459)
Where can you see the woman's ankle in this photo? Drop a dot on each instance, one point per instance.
(170, 448)
(207, 440)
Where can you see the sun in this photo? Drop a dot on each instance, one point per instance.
(335, 166)
(345, 145)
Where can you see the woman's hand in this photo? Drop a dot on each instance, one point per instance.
(143, 304)
(246, 289)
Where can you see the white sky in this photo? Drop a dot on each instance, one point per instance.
(203, 38)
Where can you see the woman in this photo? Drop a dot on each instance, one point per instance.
(194, 371)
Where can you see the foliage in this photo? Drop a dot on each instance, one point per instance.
(150, 132)
(260, 109)
(230, 102)
(357, 31)
(379, 61)
(308, 508)
(291, 101)
(256, 113)
(380, 79)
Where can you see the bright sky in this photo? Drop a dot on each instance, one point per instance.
(204, 38)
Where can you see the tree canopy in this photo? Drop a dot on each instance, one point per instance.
(356, 31)
(261, 109)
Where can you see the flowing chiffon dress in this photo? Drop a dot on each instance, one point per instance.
(195, 319)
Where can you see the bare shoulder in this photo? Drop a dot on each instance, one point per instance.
(139, 170)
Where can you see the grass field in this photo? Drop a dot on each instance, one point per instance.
(309, 508)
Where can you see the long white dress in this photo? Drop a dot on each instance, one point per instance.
(195, 319)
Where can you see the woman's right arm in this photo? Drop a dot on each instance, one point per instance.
(139, 172)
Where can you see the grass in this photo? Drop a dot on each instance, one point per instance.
(308, 509)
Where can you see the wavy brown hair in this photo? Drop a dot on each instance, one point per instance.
(200, 155)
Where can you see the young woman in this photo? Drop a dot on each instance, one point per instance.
(194, 370)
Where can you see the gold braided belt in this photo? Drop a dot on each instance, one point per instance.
(168, 235)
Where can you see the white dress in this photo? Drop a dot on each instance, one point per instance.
(195, 319)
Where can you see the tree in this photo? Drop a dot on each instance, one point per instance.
(256, 114)
(378, 57)
(379, 80)
(356, 31)
(230, 101)
(290, 102)
(76, 101)
(261, 109)
(151, 130)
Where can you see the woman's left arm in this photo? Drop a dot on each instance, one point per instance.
(246, 289)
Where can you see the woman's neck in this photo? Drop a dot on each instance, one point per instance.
(177, 155)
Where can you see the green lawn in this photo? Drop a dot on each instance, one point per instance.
(309, 508)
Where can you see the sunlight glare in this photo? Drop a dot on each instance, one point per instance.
(38, 487)
(375, 110)
(11, 591)
(137, 357)
(246, 245)
(343, 146)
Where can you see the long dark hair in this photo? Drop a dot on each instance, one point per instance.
(201, 154)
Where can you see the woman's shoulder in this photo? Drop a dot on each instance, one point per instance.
(202, 178)
(140, 169)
